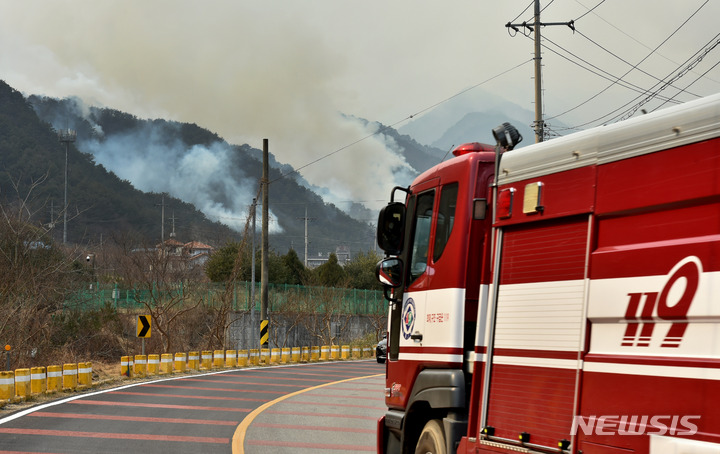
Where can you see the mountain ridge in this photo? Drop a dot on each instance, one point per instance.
(122, 168)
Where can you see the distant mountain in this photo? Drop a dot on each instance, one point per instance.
(474, 127)
(469, 117)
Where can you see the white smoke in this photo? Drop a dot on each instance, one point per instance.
(198, 175)
(230, 67)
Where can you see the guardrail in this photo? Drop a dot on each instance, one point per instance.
(24, 384)
(144, 366)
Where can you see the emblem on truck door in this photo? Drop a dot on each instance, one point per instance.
(672, 303)
(408, 318)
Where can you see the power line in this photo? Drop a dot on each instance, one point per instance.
(590, 10)
(409, 117)
(652, 95)
(630, 36)
(653, 51)
(691, 83)
(608, 76)
(598, 72)
(523, 11)
(635, 66)
(677, 76)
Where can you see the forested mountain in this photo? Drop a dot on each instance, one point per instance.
(103, 205)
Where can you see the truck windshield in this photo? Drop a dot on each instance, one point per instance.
(421, 235)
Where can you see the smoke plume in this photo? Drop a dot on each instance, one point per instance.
(230, 67)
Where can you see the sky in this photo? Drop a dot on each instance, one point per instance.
(289, 70)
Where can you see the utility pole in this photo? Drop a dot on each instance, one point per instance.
(539, 124)
(51, 225)
(265, 271)
(306, 219)
(172, 234)
(252, 264)
(66, 136)
(162, 221)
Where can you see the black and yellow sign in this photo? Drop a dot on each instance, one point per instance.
(143, 326)
(264, 334)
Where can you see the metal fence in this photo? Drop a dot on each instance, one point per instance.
(345, 300)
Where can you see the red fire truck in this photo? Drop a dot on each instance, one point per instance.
(560, 297)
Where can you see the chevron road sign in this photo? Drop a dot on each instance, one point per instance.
(143, 326)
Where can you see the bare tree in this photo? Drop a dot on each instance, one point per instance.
(378, 317)
(37, 277)
(327, 319)
(292, 314)
(162, 281)
(220, 320)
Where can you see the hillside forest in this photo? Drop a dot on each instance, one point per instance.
(113, 241)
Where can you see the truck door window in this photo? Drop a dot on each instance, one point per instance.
(421, 235)
(445, 218)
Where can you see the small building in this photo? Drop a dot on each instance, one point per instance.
(192, 254)
(341, 252)
(197, 253)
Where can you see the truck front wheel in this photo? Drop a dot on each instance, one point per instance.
(432, 439)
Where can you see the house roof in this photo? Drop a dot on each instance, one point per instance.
(197, 245)
(170, 242)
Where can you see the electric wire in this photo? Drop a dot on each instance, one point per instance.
(384, 128)
(617, 81)
(635, 108)
(597, 71)
(635, 66)
(677, 76)
(532, 2)
(691, 83)
(589, 11)
(635, 39)
(546, 6)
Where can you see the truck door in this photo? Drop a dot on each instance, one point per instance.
(539, 332)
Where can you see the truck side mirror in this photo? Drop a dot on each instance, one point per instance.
(390, 272)
(390, 227)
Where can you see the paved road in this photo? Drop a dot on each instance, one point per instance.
(325, 407)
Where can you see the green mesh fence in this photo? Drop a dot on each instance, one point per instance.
(280, 297)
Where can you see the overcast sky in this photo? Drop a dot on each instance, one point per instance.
(283, 69)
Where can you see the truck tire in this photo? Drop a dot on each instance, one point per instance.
(432, 439)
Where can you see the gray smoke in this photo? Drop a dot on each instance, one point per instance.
(225, 66)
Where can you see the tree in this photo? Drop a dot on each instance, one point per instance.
(326, 319)
(220, 265)
(164, 284)
(361, 271)
(330, 273)
(38, 278)
(295, 272)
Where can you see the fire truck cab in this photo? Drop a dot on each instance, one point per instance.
(559, 297)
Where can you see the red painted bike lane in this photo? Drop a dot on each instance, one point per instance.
(336, 417)
(189, 414)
